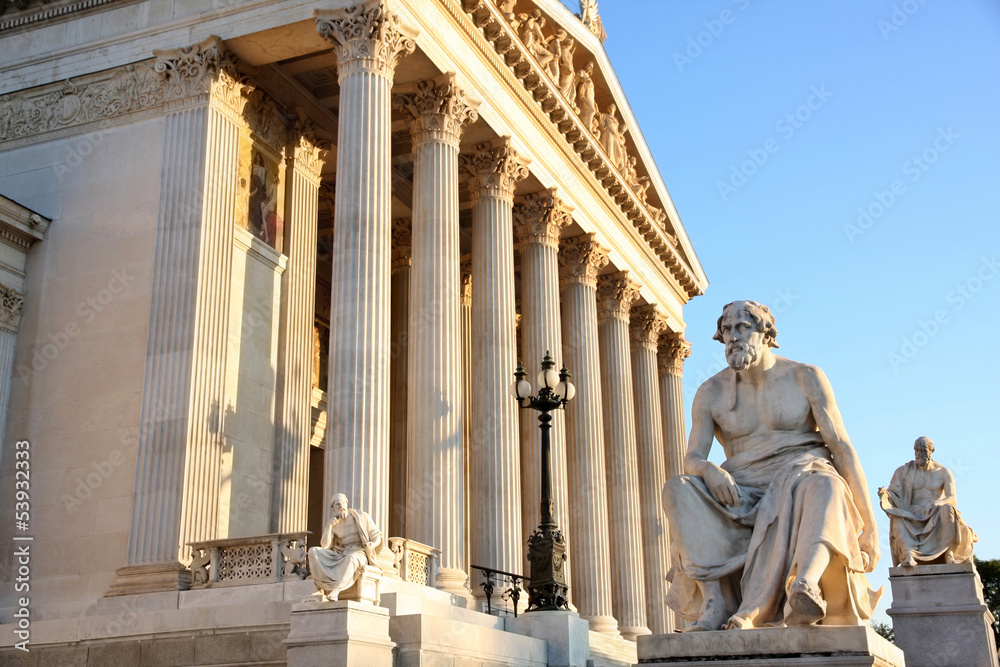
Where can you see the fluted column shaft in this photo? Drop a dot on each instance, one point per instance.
(647, 322)
(293, 407)
(581, 258)
(615, 294)
(435, 507)
(540, 219)
(673, 350)
(466, 301)
(495, 475)
(399, 327)
(368, 41)
(178, 462)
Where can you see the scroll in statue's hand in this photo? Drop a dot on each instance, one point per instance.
(720, 483)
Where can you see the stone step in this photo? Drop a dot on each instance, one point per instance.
(422, 639)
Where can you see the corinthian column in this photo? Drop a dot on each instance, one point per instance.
(293, 407)
(466, 301)
(673, 351)
(177, 475)
(368, 41)
(494, 168)
(399, 327)
(647, 323)
(539, 220)
(615, 294)
(439, 112)
(581, 259)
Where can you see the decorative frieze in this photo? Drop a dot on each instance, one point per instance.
(673, 350)
(646, 324)
(495, 169)
(540, 218)
(615, 294)
(581, 258)
(366, 36)
(439, 110)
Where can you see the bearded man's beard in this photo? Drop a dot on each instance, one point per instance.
(741, 356)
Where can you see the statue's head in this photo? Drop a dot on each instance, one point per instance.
(923, 449)
(747, 330)
(339, 504)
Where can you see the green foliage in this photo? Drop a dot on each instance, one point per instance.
(884, 629)
(989, 573)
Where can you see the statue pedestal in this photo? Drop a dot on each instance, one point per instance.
(567, 635)
(825, 646)
(939, 616)
(341, 633)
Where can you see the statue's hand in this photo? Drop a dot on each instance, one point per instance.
(721, 485)
(868, 543)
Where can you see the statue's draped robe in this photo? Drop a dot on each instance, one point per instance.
(927, 532)
(336, 564)
(792, 498)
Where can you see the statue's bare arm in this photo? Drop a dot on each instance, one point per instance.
(817, 389)
(719, 482)
(948, 492)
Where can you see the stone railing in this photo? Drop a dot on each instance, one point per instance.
(243, 561)
(415, 562)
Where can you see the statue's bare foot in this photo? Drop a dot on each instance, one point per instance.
(949, 557)
(806, 603)
(713, 613)
(910, 561)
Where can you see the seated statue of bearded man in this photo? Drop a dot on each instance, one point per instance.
(350, 542)
(783, 531)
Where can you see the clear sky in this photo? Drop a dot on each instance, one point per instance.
(771, 133)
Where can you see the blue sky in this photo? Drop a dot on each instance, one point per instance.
(894, 110)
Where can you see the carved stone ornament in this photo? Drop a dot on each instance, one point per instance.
(646, 324)
(438, 110)
(495, 169)
(467, 282)
(673, 350)
(588, 15)
(580, 260)
(615, 294)
(366, 36)
(11, 304)
(402, 241)
(309, 150)
(541, 217)
(203, 68)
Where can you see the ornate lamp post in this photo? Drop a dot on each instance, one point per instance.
(547, 588)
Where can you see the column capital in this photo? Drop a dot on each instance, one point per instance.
(646, 324)
(580, 260)
(615, 294)
(308, 150)
(540, 218)
(205, 68)
(467, 281)
(438, 109)
(673, 350)
(367, 36)
(402, 243)
(495, 169)
(11, 304)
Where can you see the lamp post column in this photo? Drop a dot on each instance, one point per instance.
(647, 323)
(435, 514)
(581, 258)
(615, 294)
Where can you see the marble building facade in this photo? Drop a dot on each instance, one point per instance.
(258, 253)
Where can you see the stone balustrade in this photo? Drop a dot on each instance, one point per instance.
(242, 561)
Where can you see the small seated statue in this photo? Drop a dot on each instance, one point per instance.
(925, 525)
(350, 543)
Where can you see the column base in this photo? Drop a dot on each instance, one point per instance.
(567, 635)
(817, 646)
(455, 582)
(151, 578)
(606, 625)
(632, 633)
(339, 633)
